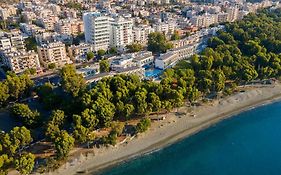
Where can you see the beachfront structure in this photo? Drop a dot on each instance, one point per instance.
(233, 13)
(79, 53)
(53, 53)
(170, 58)
(139, 71)
(97, 30)
(19, 61)
(166, 60)
(124, 61)
(143, 58)
(89, 70)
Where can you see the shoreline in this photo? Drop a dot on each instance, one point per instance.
(165, 133)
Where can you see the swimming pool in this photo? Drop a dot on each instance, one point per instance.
(153, 73)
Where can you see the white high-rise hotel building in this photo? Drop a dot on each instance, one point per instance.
(96, 29)
(104, 32)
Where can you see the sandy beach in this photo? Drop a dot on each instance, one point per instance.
(179, 124)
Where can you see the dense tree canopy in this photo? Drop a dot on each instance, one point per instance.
(104, 66)
(63, 144)
(25, 114)
(72, 82)
(158, 43)
(135, 47)
(25, 163)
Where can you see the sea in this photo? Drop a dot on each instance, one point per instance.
(246, 144)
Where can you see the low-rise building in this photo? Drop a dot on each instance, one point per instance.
(48, 22)
(79, 53)
(141, 32)
(53, 53)
(166, 60)
(19, 61)
(143, 58)
(12, 39)
(69, 26)
(89, 70)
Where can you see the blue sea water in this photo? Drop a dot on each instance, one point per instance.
(247, 144)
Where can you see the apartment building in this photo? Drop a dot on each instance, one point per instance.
(141, 32)
(48, 22)
(12, 39)
(223, 17)
(167, 27)
(53, 53)
(97, 30)
(204, 21)
(6, 12)
(79, 53)
(121, 33)
(19, 61)
(69, 26)
(233, 13)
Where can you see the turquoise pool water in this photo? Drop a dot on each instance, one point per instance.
(247, 144)
(153, 73)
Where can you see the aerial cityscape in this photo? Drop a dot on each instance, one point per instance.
(140, 87)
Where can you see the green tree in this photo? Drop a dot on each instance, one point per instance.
(17, 139)
(175, 36)
(101, 52)
(117, 127)
(63, 144)
(89, 119)
(111, 138)
(90, 55)
(25, 163)
(134, 47)
(72, 82)
(143, 125)
(219, 80)
(4, 163)
(55, 124)
(52, 66)
(105, 111)
(158, 43)
(140, 101)
(4, 93)
(155, 101)
(19, 86)
(104, 66)
(215, 42)
(193, 94)
(113, 50)
(30, 43)
(25, 114)
(128, 111)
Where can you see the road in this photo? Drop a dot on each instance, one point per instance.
(54, 79)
